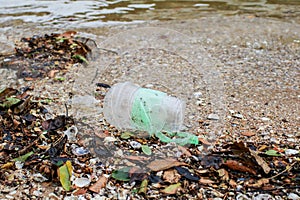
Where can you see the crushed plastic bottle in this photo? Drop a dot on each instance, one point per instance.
(128, 106)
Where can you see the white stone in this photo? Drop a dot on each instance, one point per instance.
(290, 152)
(82, 182)
(213, 116)
(197, 95)
(110, 139)
(239, 116)
(262, 197)
(135, 145)
(265, 119)
(293, 196)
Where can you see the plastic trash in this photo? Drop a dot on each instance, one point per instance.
(128, 106)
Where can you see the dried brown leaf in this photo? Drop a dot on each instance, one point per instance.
(137, 158)
(232, 183)
(223, 174)
(171, 176)
(261, 182)
(260, 161)
(204, 141)
(7, 165)
(52, 73)
(184, 151)
(237, 166)
(248, 133)
(101, 183)
(163, 164)
(80, 191)
(206, 181)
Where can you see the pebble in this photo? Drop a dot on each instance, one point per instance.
(37, 193)
(274, 140)
(19, 164)
(135, 144)
(242, 197)
(53, 196)
(239, 187)
(197, 95)
(213, 116)
(13, 192)
(263, 197)
(293, 196)
(149, 85)
(82, 182)
(110, 139)
(39, 177)
(265, 119)
(239, 116)
(80, 151)
(71, 133)
(9, 197)
(290, 152)
(291, 139)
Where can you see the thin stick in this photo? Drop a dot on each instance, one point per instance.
(287, 169)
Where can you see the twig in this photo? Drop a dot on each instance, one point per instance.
(287, 169)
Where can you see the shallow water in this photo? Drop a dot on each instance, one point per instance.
(92, 13)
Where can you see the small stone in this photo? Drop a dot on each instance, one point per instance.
(265, 119)
(36, 193)
(19, 164)
(293, 196)
(39, 177)
(110, 139)
(290, 152)
(82, 182)
(197, 95)
(80, 151)
(13, 192)
(213, 116)
(135, 145)
(291, 139)
(262, 196)
(149, 85)
(9, 197)
(239, 116)
(53, 196)
(239, 187)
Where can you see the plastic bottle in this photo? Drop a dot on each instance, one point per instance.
(128, 106)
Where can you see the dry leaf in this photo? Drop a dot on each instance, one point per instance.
(143, 187)
(263, 147)
(101, 183)
(171, 176)
(223, 174)
(261, 182)
(235, 165)
(52, 73)
(80, 191)
(260, 161)
(171, 189)
(248, 133)
(68, 34)
(204, 141)
(232, 183)
(184, 151)
(206, 181)
(163, 164)
(7, 165)
(137, 158)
